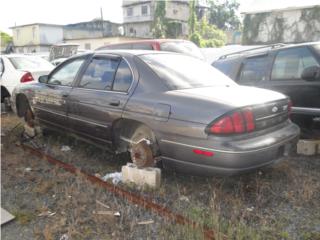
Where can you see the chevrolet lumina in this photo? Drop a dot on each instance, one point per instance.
(162, 106)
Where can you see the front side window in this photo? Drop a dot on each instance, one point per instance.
(254, 70)
(123, 78)
(99, 74)
(66, 74)
(290, 63)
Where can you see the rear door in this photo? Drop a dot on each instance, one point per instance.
(100, 96)
(285, 76)
(50, 102)
(254, 71)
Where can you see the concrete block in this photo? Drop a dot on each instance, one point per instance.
(308, 147)
(30, 131)
(141, 176)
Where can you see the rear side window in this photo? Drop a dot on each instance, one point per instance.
(290, 63)
(254, 70)
(66, 74)
(123, 78)
(99, 74)
(226, 67)
(142, 46)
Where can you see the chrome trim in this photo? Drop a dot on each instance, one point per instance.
(271, 116)
(90, 122)
(226, 151)
(46, 110)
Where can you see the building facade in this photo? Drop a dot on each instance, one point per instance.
(37, 37)
(288, 25)
(138, 16)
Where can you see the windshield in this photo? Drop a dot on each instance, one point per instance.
(182, 72)
(184, 47)
(30, 63)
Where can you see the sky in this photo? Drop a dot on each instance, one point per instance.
(20, 12)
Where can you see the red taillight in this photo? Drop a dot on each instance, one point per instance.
(236, 122)
(27, 77)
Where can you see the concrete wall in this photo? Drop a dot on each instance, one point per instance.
(50, 34)
(93, 29)
(139, 29)
(177, 10)
(286, 26)
(98, 42)
(26, 35)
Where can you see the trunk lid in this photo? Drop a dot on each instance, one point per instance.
(269, 108)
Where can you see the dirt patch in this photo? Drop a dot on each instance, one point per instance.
(282, 202)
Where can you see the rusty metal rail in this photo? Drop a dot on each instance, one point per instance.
(130, 197)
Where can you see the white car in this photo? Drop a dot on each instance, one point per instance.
(19, 68)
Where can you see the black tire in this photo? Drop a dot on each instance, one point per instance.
(143, 147)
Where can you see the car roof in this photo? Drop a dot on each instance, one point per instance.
(261, 50)
(132, 52)
(160, 40)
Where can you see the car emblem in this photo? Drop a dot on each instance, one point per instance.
(274, 109)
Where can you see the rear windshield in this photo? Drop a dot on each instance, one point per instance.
(30, 63)
(183, 72)
(184, 47)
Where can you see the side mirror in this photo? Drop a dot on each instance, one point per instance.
(43, 79)
(311, 73)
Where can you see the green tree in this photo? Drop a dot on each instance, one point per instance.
(203, 33)
(224, 15)
(159, 26)
(192, 17)
(5, 39)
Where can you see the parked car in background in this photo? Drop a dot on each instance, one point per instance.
(62, 51)
(160, 105)
(44, 55)
(170, 45)
(19, 68)
(290, 69)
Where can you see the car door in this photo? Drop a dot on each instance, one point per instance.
(254, 71)
(50, 101)
(285, 76)
(100, 97)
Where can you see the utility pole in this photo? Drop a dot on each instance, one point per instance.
(101, 16)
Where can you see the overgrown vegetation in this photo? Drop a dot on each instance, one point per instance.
(5, 39)
(202, 33)
(281, 202)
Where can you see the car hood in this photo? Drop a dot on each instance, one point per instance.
(235, 96)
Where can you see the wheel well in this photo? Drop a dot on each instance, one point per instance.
(22, 104)
(124, 128)
(4, 93)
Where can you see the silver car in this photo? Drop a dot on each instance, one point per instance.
(162, 106)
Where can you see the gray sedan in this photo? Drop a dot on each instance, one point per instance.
(162, 106)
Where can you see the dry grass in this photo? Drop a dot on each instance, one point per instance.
(277, 203)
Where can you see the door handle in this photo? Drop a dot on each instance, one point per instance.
(64, 95)
(114, 103)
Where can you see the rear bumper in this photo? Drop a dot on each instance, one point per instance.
(231, 156)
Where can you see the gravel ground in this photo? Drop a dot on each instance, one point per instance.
(280, 202)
